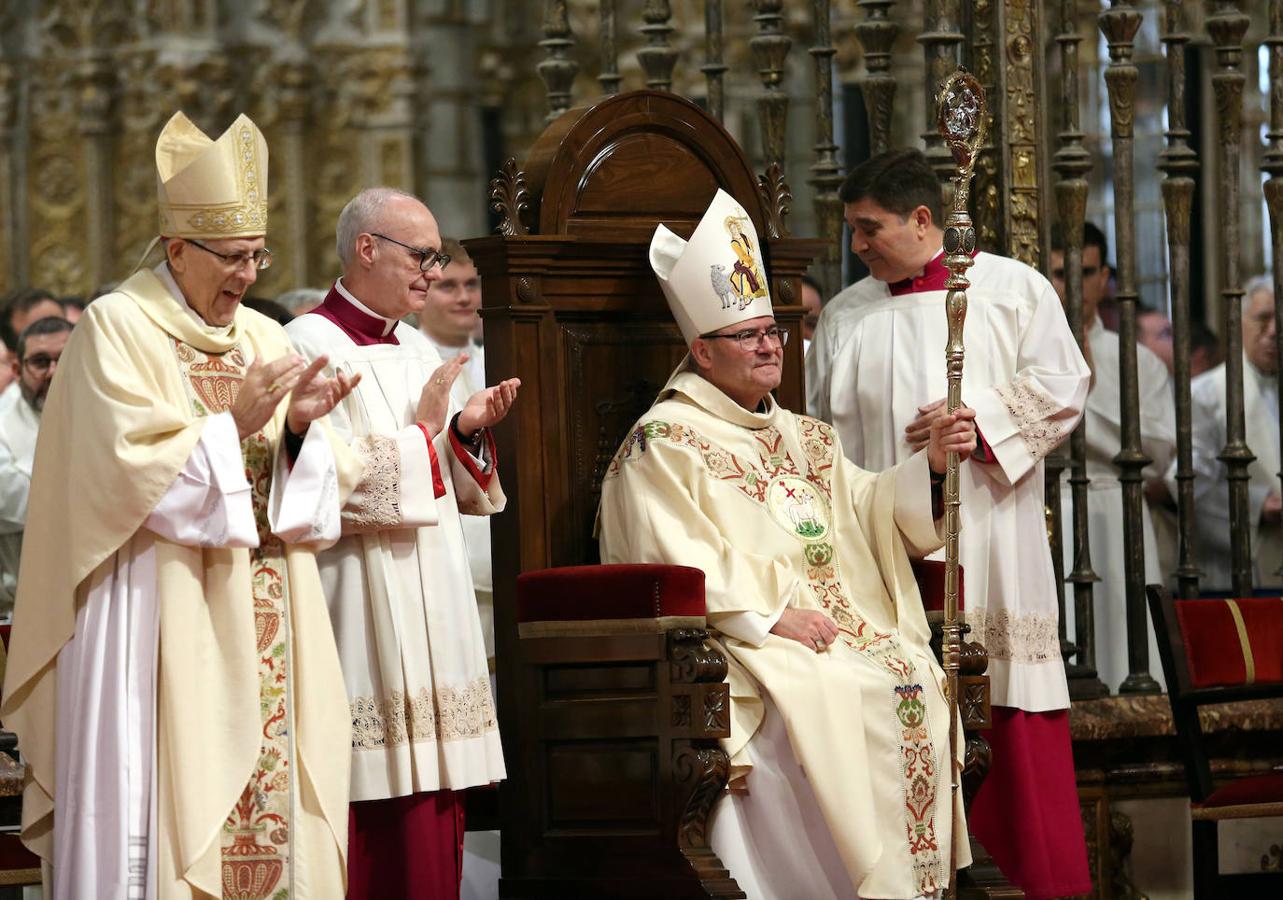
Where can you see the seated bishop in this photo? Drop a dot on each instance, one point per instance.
(840, 763)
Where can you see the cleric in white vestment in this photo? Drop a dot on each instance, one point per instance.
(173, 678)
(839, 746)
(876, 371)
(398, 581)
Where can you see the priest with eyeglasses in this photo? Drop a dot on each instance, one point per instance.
(173, 678)
(840, 765)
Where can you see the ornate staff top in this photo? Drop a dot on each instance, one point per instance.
(961, 118)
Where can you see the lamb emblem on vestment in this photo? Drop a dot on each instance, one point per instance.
(722, 285)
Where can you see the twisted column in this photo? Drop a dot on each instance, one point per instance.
(1119, 25)
(877, 34)
(1072, 162)
(1227, 24)
(1179, 164)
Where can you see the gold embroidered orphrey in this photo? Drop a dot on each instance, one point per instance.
(769, 482)
(255, 839)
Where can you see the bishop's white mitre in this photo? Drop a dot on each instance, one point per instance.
(717, 278)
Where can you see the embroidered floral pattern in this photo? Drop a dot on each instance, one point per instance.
(760, 482)
(255, 839)
(1035, 416)
(1031, 638)
(376, 503)
(457, 713)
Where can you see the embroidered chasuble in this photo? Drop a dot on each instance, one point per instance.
(398, 582)
(878, 354)
(171, 660)
(768, 507)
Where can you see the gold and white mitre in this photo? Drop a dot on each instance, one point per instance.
(717, 278)
(211, 189)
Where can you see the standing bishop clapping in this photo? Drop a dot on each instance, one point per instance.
(173, 678)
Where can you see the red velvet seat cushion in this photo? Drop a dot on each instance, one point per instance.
(1213, 644)
(1247, 791)
(930, 576)
(609, 592)
(15, 857)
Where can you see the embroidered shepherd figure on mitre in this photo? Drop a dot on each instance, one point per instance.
(209, 189)
(711, 282)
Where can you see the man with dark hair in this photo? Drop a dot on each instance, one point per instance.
(23, 307)
(1097, 301)
(39, 348)
(877, 372)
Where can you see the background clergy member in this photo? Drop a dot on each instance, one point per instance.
(876, 371)
(173, 678)
(1104, 440)
(1261, 414)
(39, 348)
(399, 588)
(809, 586)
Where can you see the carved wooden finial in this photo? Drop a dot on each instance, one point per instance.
(510, 199)
(777, 198)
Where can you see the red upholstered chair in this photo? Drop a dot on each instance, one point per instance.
(622, 705)
(1219, 651)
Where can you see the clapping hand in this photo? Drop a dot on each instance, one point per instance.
(264, 387)
(434, 401)
(487, 408)
(315, 395)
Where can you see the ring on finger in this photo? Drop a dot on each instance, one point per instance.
(273, 387)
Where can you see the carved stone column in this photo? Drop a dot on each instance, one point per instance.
(1227, 24)
(1004, 41)
(1179, 163)
(941, 39)
(141, 111)
(877, 34)
(1072, 163)
(291, 177)
(95, 84)
(9, 255)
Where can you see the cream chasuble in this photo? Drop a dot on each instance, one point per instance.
(183, 681)
(400, 593)
(766, 505)
(1105, 496)
(876, 357)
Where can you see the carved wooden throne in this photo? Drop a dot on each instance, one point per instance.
(610, 699)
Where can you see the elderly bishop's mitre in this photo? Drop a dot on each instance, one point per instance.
(211, 189)
(717, 278)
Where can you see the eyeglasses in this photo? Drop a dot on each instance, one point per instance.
(260, 258)
(750, 339)
(40, 363)
(426, 255)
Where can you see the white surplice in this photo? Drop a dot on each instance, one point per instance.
(19, 424)
(1105, 497)
(1211, 487)
(398, 582)
(876, 357)
(476, 529)
(104, 813)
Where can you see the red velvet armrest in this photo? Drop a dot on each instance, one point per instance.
(1225, 640)
(930, 577)
(579, 593)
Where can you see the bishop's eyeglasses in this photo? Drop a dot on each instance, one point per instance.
(427, 256)
(261, 258)
(751, 338)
